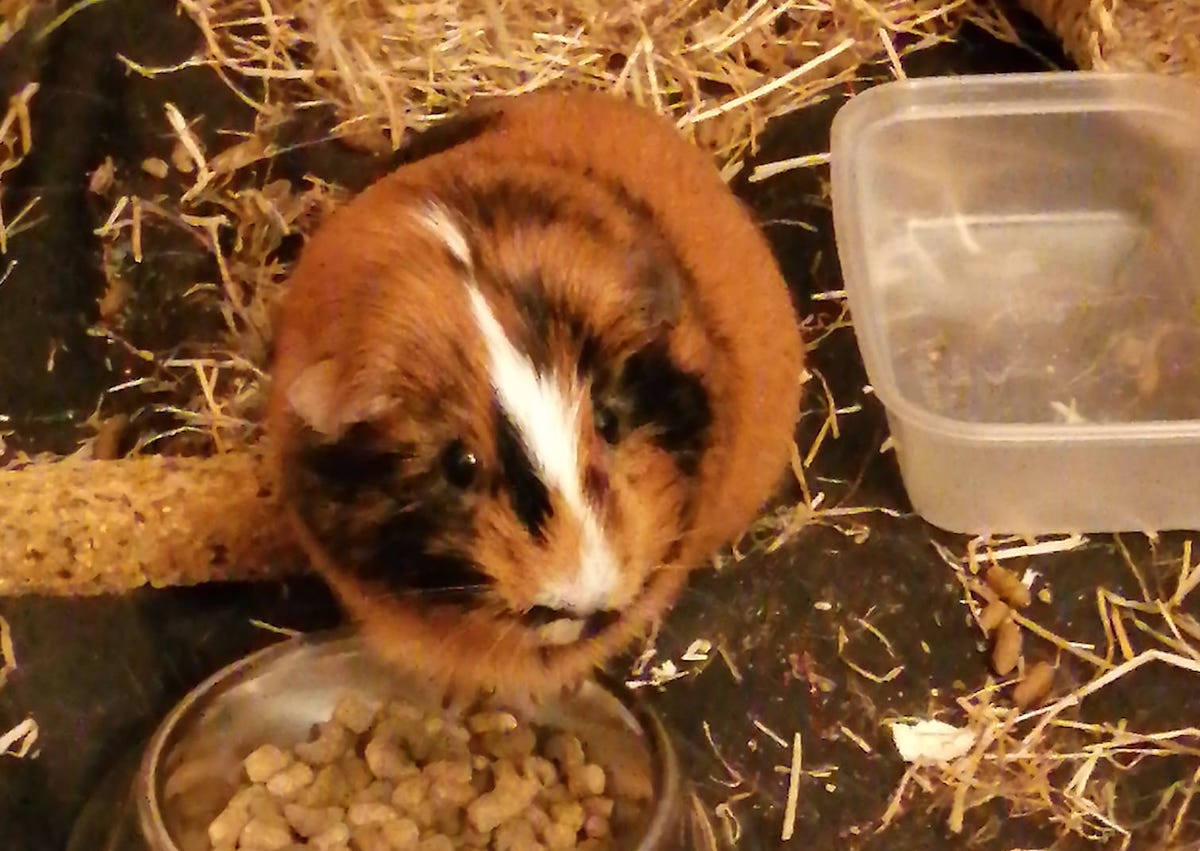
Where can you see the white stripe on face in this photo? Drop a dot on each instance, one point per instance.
(546, 416)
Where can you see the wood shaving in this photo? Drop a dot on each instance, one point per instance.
(697, 651)
(931, 741)
(789, 812)
(771, 734)
(19, 741)
(8, 656)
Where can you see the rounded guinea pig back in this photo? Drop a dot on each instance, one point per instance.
(525, 382)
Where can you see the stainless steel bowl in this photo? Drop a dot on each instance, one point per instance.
(192, 763)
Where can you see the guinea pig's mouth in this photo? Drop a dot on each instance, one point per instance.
(559, 627)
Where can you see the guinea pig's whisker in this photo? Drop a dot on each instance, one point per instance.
(450, 589)
(503, 635)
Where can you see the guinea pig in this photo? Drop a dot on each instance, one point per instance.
(526, 381)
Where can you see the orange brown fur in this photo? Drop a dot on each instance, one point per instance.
(379, 296)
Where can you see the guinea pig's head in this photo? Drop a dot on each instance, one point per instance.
(491, 410)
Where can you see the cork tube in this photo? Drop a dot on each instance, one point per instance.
(84, 527)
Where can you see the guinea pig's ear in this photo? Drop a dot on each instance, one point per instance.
(661, 287)
(312, 396)
(317, 397)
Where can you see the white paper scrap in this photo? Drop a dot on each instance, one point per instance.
(931, 741)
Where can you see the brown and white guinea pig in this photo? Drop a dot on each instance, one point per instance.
(525, 381)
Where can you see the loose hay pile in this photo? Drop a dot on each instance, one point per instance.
(16, 141)
(1126, 35)
(722, 70)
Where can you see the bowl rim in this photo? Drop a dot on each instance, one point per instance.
(152, 826)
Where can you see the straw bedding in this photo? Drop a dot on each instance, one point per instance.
(1161, 36)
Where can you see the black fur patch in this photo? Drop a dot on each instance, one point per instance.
(522, 202)
(528, 493)
(598, 622)
(385, 526)
(403, 561)
(352, 463)
(540, 313)
(539, 616)
(593, 625)
(446, 134)
(684, 282)
(510, 200)
(672, 402)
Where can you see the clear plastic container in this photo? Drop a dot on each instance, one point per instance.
(1021, 255)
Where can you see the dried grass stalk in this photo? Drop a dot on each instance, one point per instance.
(721, 69)
(16, 141)
(78, 527)
(13, 16)
(1126, 35)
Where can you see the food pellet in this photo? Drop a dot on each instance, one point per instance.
(401, 834)
(1009, 586)
(570, 814)
(437, 842)
(287, 783)
(355, 714)
(993, 615)
(265, 762)
(332, 837)
(1034, 686)
(332, 742)
(368, 837)
(394, 778)
(155, 167)
(263, 835)
(586, 780)
(311, 821)
(1007, 649)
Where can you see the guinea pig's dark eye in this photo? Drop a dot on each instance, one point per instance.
(459, 464)
(606, 423)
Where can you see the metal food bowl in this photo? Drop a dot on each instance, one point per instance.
(192, 763)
